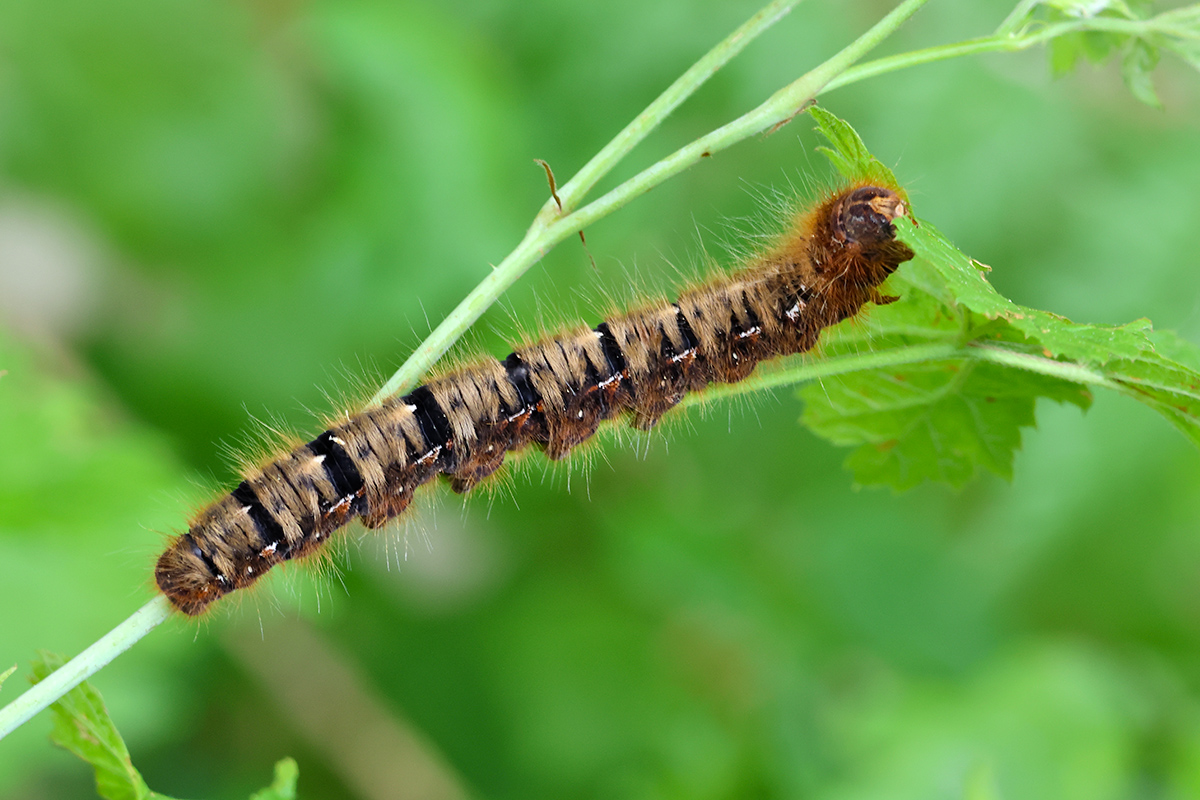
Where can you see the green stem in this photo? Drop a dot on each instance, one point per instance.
(1067, 371)
(900, 356)
(611, 154)
(779, 108)
(79, 668)
(536, 243)
(1007, 40)
(1017, 17)
(827, 368)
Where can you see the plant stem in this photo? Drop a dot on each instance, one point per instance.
(1017, 17)
(778, 109)
(1007, 40)
(79, 668)
(911, 354)
(540, 238)
(827, 368)
(611, 154)
(1067, 371)
(536, 243)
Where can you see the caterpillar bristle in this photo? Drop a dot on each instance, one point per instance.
(553, 392)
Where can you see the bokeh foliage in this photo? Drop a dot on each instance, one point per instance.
(265, 198)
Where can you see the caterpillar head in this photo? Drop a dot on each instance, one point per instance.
(865, 215)
(187, 578)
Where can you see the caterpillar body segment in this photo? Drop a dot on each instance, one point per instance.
(554, 394)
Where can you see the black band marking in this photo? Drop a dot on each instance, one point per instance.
(339, 467)
(690, 340)
(435, 428)
(269, 530)
(612, 350)
(518, 376)
(736, 329)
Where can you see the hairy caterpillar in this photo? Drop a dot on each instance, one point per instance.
(554, 393)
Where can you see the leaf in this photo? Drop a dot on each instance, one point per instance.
(82, 726)
(1098, 45)
(849, 155)
(1139, 60)
(1139, 44)
(1087, 8)
(1181, 351)
(938, 420)
(966, 284)
(944, 418)
(1065, 52)
(1125, 354)
(1167, 386)
(1186, 45)
(284, 785)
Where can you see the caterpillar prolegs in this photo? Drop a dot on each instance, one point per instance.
(554, 393)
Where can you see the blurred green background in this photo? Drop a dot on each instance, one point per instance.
(213, 212)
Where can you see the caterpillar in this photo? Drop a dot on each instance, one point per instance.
(554, 394)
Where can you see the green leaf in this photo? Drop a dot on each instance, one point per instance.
(966, 285)
(1125, 355)
(284, 785)
(1097, 8)
(1139, 47)
(1065, 52)
(1083, 8)
(1165, 385)
(82, 726)
(1098, 45)
(849, 155)
(1139, 60)
(1186, 44)
(944, 418)
(938, 420)
(1181, 351)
